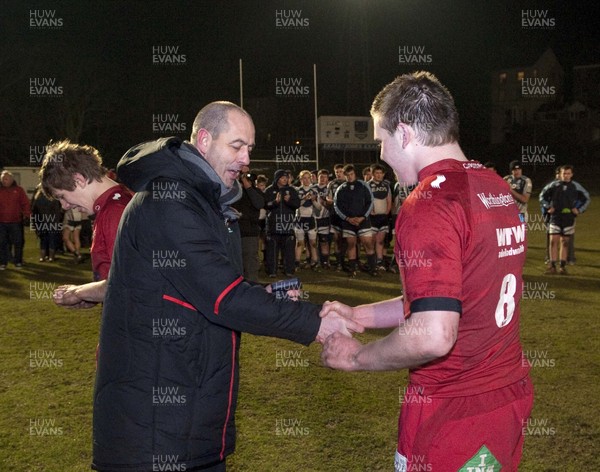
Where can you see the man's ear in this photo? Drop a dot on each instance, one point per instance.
(203, 140)
(405, 134)
(80, 180)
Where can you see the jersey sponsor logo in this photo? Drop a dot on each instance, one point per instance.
(439, 180)
(473, 165)
(482, 461)
(505, 237)
(116, 196)
(492, 201)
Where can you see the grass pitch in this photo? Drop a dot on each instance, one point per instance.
(293, 414)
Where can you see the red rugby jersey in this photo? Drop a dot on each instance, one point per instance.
(108, 209)
(461, 247)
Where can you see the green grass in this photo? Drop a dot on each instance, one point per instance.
(342, 421)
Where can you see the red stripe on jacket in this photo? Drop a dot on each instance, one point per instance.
(231, 383)
(179, 302)
(226, 291)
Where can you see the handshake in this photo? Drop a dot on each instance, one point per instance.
(335, 334)
(337, 325)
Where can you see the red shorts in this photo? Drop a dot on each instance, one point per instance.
(464, 433)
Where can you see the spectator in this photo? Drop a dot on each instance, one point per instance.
(14, 210)
(282, 201)
(520, 187)
(46, 221)
(249, 205)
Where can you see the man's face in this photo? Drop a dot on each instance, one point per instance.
(339, 173)
(367, 176)
(517, 172)
(282, 181)
(378, 175)
(350, 176)
(566, 175)
(393, 154)
(7, 180)
(323, 180)
(306, 180)
(79, 198)
(230, 151)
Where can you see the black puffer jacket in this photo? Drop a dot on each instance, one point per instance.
(167, 378)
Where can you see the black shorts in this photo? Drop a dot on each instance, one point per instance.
(363, 229)
(380, 223)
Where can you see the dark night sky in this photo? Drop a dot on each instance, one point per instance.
(103, 51)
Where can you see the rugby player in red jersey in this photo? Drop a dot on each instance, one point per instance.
(73, 174)
(460, 248)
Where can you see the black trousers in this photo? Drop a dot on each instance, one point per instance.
(276, 244)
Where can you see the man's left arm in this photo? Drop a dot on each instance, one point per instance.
(256, 197)
(583, 197)
(368, 200)
(422, 338)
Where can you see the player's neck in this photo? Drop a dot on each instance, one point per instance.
(428, 155)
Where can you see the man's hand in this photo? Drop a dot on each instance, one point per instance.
(575, 211)
(334, 323)
(293, 294)
(246, 182)
(339, 352)
(337, 307)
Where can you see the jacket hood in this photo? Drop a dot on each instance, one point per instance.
(160, 159)
(171, 158)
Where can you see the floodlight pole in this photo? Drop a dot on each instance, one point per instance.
(241, 86)
(316, 120)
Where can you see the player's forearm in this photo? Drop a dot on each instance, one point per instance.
(421, 339)
(392, 353)
(385, 314)
(92, 292)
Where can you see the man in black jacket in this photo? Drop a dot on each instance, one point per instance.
(282, 203)
(249, 206)
(167, 378)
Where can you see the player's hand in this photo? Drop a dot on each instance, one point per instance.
(334, 323)
(339, 352)
(337, 307)
(66, 296)
(278, 197)
(575, 211)
(550, 210)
